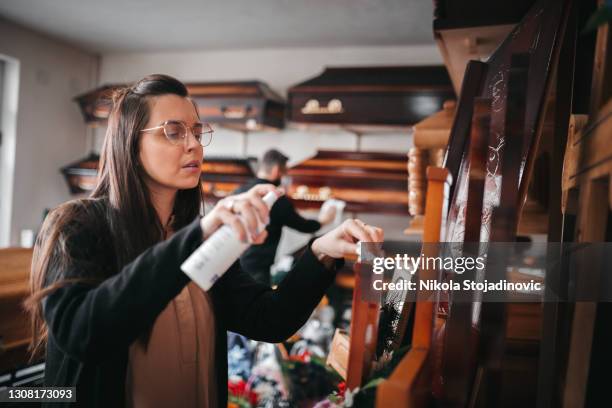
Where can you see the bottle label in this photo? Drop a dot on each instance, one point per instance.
(215, 256)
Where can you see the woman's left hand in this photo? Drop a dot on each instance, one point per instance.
(244, 213)
(343, 239)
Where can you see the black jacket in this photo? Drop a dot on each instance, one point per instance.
(92, 326)
(258, 259)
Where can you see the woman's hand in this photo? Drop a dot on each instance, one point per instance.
(342, 239)
(244, 213)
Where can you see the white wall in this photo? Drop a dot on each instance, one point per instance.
(49, 131)
(280, 68)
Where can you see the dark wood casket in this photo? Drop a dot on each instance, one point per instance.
(372, 96)
(372, 182)
(223, 174)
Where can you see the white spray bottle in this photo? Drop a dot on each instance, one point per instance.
(214, 257)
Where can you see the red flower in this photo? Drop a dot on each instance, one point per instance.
(303, 357)
(253, 397)
(236, 388)
(341, 388)
(241, 390)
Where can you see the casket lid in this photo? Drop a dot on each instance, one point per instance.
(370, 96)
(242, 105)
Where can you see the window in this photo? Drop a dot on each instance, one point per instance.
(1, 99)
(9, 97)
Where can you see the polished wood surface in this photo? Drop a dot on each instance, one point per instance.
(410, 383)
(378, 96)
(474, 342)
(493, 312)
(15, 334)
(244, 105)
(418, 159)
(367, 181)
(587, 182)
(82, 175)
(221, 175)
(241, 105)
(363, 333)
(545, 22)
(96, 104)
(458, 362)
(430, 138)
(433, 132)
(338, 356)
(555, 316)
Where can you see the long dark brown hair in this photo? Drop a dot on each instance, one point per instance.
(128, 216)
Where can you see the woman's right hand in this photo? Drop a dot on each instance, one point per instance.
(244, 213)
(343, 239)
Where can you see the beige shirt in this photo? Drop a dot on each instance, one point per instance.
(177, 367)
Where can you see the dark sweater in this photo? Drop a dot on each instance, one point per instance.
(92, 326)
(258, 259)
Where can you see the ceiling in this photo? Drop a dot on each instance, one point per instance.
(155, 25)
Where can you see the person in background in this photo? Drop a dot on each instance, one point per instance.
(258, 259)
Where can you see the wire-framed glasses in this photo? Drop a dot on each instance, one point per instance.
(176, 132)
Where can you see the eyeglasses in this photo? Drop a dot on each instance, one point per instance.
(176, 132)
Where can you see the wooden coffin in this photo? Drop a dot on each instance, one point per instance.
(367, 181)
(370, 96)
(96, 104)
(220, 174)
(430, 137)
(82, 175)
(245, 106)
(15, 331)
(472, 30)
(223, 174)
(488, 357)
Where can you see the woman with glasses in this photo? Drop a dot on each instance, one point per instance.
(116, 316)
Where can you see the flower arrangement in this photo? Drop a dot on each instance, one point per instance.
(363, 396)
(240, 395)
(310, 379)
